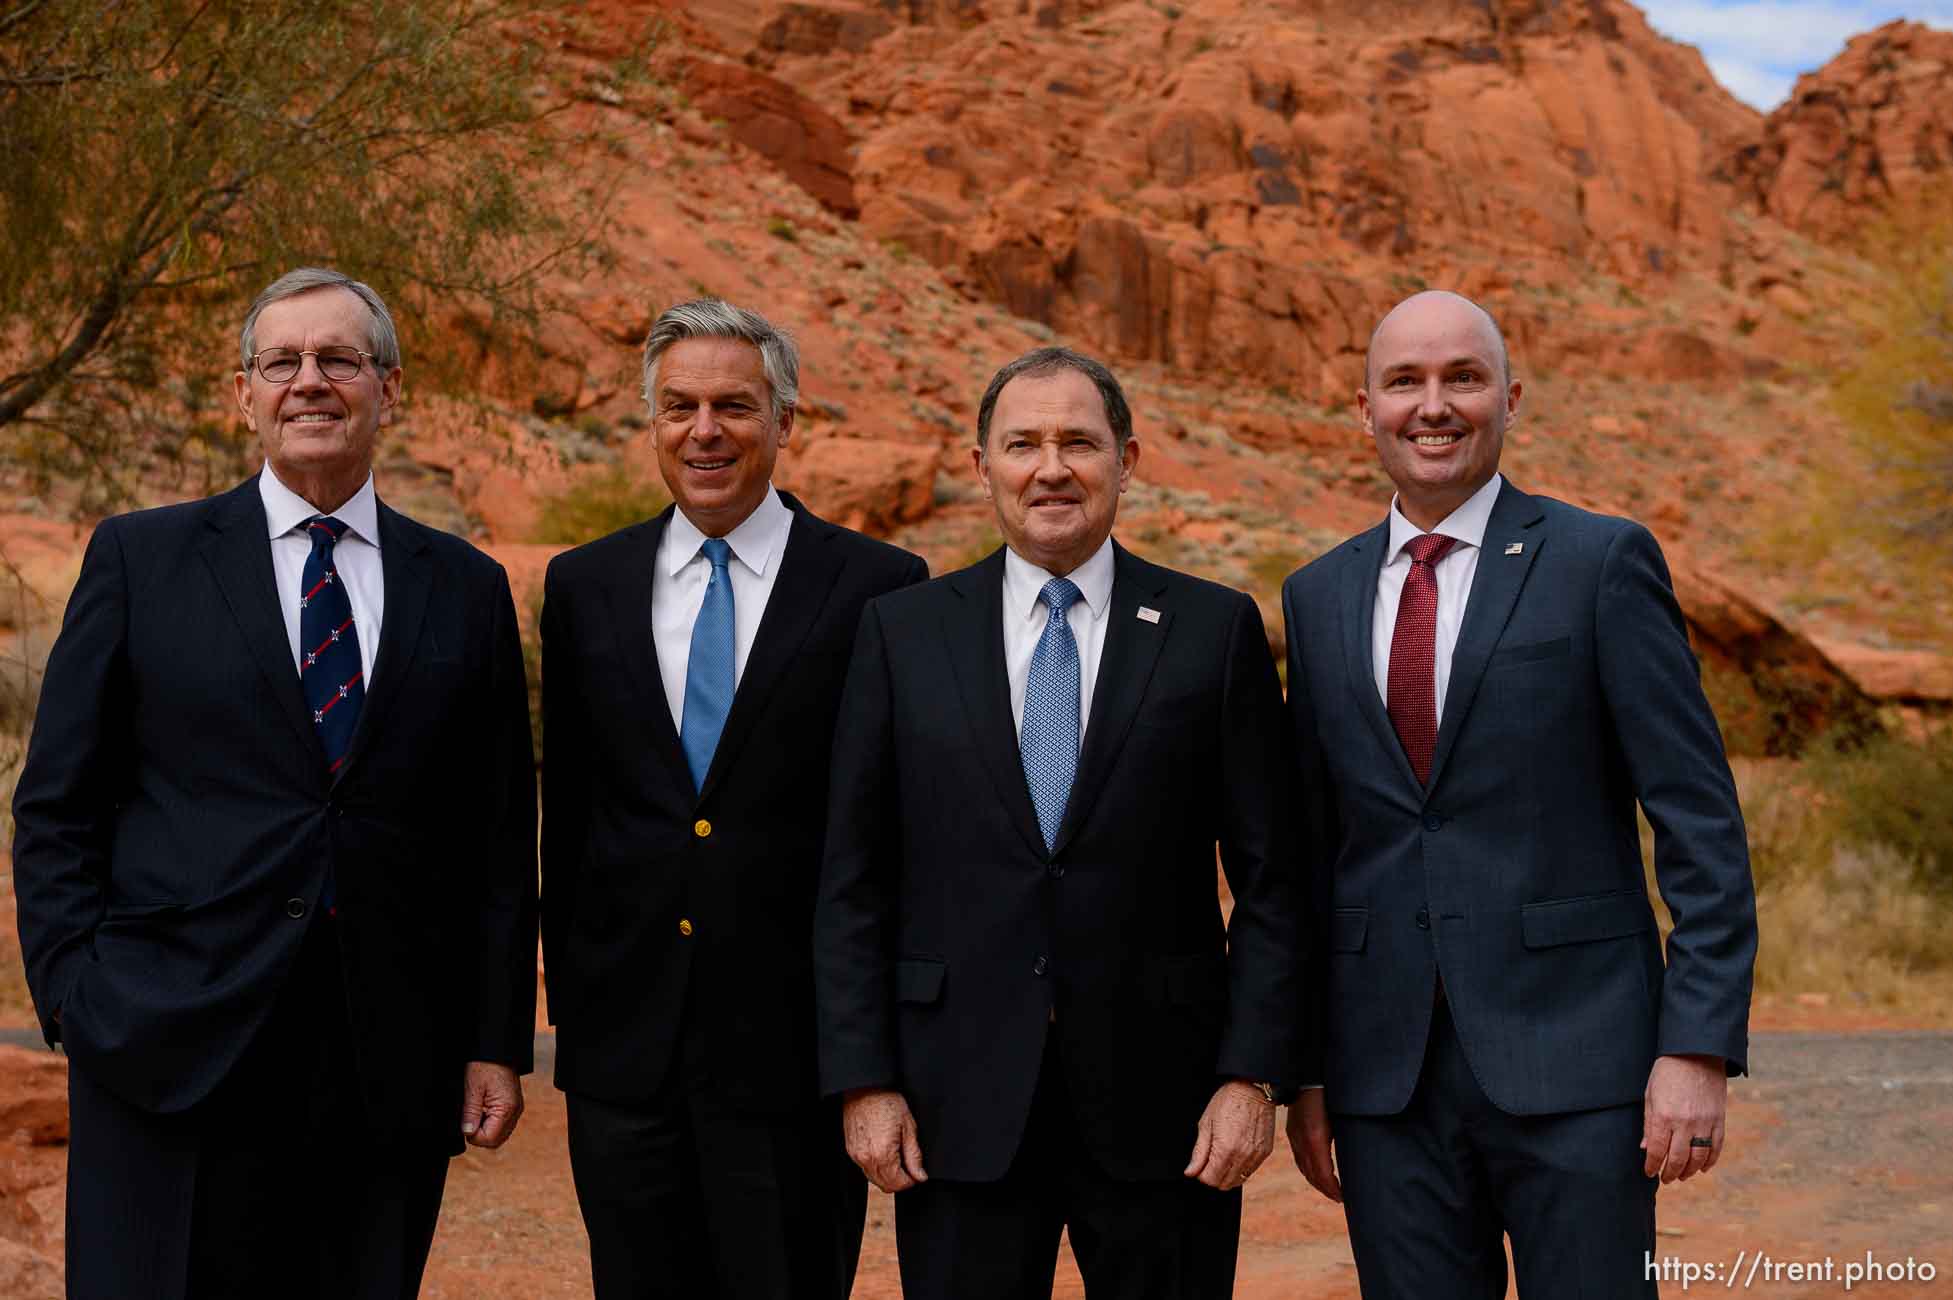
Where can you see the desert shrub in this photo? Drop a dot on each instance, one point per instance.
(596, 505)
(1892, 793)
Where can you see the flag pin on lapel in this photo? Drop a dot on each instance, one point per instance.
(1515, 548)
(1147, 614)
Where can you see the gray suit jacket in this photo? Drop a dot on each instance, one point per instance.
(1516, 876)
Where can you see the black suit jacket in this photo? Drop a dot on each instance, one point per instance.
(1517, 874)
(630, 848)
(946, 934)
(175, 821)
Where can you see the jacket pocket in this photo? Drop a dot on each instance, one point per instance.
(918, 979)
(1585, 920)
(1349, 929)
(1530, 652)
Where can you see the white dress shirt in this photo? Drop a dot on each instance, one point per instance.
(679, 579)
(1025, 616)
(1454, 574)
(356, 558)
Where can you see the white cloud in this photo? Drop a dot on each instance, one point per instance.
(1758, 47)
(1763, 33)
(1760, 88)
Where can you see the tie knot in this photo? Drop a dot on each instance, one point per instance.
(1430, 548)
(1058, 595)
(325, 528)
(717, 552)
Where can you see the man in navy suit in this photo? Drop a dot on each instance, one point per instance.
(1028, 995)
(1483, 687)
(275, 853)
(692, 668)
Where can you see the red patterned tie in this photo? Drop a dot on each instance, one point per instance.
(1413, 687)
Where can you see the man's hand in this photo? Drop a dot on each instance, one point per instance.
(1236, 1133)
(1686, 1099)
(491, 1103)
(881, 1138)
(1310, 1141)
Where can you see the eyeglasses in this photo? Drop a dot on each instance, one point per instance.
(281, 365)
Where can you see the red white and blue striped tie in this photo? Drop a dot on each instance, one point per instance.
(329, 662)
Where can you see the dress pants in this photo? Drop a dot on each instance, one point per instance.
(687, 1195)
(1158, 1239)
(270, 1187)
(1431, 1192)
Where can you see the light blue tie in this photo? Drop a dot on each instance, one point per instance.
(1048, 739)
(708, 674)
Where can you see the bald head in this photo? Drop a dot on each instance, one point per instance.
(1497, 335)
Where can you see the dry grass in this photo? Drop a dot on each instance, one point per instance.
(1846, 921)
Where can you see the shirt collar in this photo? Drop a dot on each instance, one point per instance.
(759, 537)
(1467, 523)
(285, 510)
(1023, 581)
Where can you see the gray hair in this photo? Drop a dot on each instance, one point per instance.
(383, 341)
(1046, 361)
(715, 318)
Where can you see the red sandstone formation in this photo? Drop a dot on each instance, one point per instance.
(1872, 126)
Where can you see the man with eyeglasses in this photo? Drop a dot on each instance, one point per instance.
(275, 853)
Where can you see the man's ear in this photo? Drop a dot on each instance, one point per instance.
(982, 467)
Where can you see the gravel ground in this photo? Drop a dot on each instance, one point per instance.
(1839, 1144)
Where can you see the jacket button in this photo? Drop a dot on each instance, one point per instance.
(1040, 966)
(1433, 822)
(684, 927)
(701, 828)
(1056, 870)
(294, 908)
(1423, 918)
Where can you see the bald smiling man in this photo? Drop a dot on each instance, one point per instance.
(1483, 687)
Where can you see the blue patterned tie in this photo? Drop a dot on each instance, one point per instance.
(708, 674)
(329, 668)
(1048, 739)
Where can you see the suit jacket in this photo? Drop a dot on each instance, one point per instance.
(175, 822)
(947, 935)
(1516, 875)
(631, 849)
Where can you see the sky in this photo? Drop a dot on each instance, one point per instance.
(1757, 47)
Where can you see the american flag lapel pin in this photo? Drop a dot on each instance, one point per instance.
(1147, 614)
(1515, 548)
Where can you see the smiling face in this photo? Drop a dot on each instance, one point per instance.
(318, 434)
(1437, 402)
(712, 414)
(1053, 469)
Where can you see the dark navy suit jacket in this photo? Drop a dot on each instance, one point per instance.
(630, 848)
(947, 935)
(1516, 876)
(175, 821)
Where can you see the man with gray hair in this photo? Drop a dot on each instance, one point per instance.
(692, 668)
(275, 853)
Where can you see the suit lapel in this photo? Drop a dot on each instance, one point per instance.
(1495, 589)
(406, 569)
(238, 552)
(1132, 647)
(629, 595)
(808, 570)
(1359, 612)
(973, 636)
